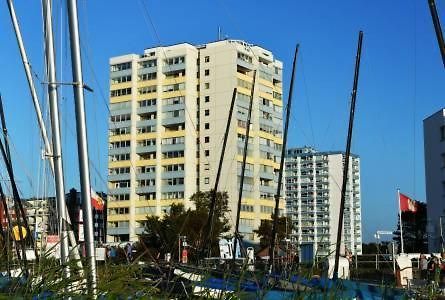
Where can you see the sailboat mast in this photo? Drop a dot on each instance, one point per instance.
(36, 103)
(283, 154)
(209, 224)
(32, 88)
(347, 154)
(17, 201)
(437, 28)
(82, 141)
(55, 124)
(243, 168)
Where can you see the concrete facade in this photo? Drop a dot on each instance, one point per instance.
(434, 144)
(169, 109)
(313, 193)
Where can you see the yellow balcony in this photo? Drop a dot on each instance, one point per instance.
(145, 162)
(119, 137)
(119, 99)
(114, 218)
(166, 95)
(119, 164)
(114, 204)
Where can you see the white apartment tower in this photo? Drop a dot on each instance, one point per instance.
(169, 109)
(434, 143)
(313, 193)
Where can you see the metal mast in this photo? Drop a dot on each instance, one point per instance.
(243, 168)
(35, 99)
(347, 154)
(209, 224)
(283, 154)
(437, 28)
(32, 88)
(55, 124)
(76, 64)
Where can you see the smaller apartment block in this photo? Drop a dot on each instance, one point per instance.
(313, 193)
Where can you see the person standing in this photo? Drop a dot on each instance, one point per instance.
(423, 266)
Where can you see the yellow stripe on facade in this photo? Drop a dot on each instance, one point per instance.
(175, 80)
(166, 95)
(147, 96)
(270, 136)
(244, 77)
(171, 161)
(244, 91)
(145, 136)
(114, 218)
(242, 131)
(119, 99)
(147, 83)
(145, 162)
(145, 203)
(119, 164)
(119, 137)
(265, 82)
(249, 159)
(119, 86)
(114, 204)
(176, 133)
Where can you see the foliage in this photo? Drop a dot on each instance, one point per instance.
(415, 239)
(264, 231)
(161, 234)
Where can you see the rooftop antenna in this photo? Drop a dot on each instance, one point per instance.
(219, 33)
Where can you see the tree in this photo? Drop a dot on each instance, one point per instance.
(264, 231)
(161, 234)
(415, 237)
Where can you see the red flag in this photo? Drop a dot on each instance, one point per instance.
(407, 204)
(96, 201)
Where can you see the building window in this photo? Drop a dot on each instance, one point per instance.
(207, 126)
(206, 85)
(207, 72)
(207, 112)
(206, 139)
(207, 99)
(442, 133)
(207, 59)
(206, 180)
(207, 153)
(197, 87)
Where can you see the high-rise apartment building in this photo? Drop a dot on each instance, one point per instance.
(434, 143)
(169, 109)
(313, 193)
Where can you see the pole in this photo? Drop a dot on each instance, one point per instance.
(82, 142)
(393, 257)
(35, 100)
(347, 154)
(243, 168)
(32, 88)
(283, 154)
(55, 124)
(209, 224)
(437, 28)
(401, 223)
(441, 232)
(8, 162)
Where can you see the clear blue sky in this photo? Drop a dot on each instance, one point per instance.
(402, 79)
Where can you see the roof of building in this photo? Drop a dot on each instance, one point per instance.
(307, 151)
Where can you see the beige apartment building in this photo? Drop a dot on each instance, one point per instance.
(168, 112)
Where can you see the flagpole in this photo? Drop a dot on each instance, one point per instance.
(400, 221)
